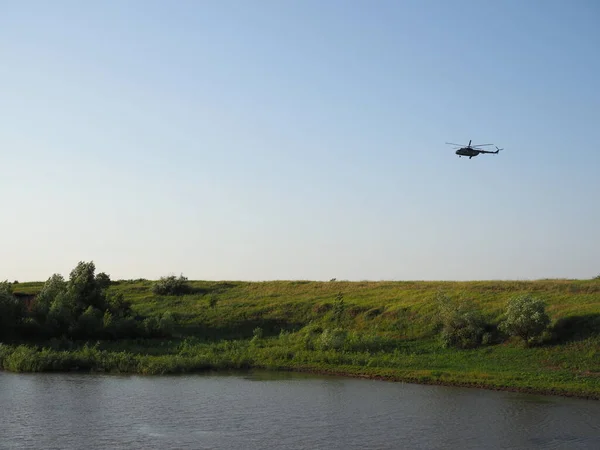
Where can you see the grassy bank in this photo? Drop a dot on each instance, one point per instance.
(383, 330)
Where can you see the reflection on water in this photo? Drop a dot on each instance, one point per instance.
(282, 410)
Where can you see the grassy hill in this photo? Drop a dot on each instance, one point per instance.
(399, 309)
(387, 330)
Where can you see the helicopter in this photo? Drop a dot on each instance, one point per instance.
(472, 150)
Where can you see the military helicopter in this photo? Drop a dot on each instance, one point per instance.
(472, 150)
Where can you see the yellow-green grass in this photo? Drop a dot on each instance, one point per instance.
(390, 325)
(403, 308)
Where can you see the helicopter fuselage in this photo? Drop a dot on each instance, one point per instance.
(465, 151)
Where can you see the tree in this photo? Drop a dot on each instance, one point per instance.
(103, 281)
(525, 317)
(82, 306)
(43, 301)
(12, 311)
(84, 289)
(61, 315)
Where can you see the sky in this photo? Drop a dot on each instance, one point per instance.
(288, 139)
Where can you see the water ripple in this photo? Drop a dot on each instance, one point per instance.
(282, 411)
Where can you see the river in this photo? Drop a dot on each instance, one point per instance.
(267, 410)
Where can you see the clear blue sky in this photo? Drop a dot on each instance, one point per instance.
(300, 139)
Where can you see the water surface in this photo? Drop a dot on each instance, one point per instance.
(259, 410)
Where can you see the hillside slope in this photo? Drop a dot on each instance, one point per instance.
(374, 329)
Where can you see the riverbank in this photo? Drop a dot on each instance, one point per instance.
(554, 370)
(382, 330)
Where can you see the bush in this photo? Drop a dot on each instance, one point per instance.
(171, 285)
(167, 324)
(333, 339)
(309, 335)
(526, 318)
(257, 334)
(462, 325)
(159, 326)
(212, 301)
(117, 305)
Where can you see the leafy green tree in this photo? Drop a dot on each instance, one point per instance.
(81, 307)
(525, 317)
(78, 307)
(12, 312)
(89, 324)
(61, 314)
(103, 281)
(84, 289)
(52, 287)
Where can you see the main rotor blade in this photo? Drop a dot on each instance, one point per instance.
(459, 145)
(480, 145)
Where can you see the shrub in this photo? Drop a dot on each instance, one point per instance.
(333, 339)
(526, 318)
(338, 308)
(152, 327)
(167, 324)
(462, 325)
(309, 335)
(212, 301)
(125, 327)
(171, 285)
(160, 326)
(257, 335)
(117, 305)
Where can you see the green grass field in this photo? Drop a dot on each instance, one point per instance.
(390, 333)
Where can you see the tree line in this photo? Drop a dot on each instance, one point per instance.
(81, 307)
